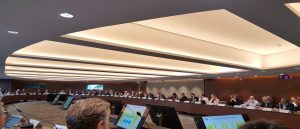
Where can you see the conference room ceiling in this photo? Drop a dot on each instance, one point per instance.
(159, 39)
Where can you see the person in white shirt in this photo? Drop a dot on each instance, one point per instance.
(214, 100)
(251, 102)
(62, 92)
(203, 99)
(126, 94)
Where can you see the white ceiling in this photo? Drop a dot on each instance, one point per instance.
(216, 36)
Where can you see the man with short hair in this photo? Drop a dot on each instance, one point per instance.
(263, 124)
(91, 113)
(251, 102)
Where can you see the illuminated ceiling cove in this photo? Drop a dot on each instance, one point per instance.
(224, 42)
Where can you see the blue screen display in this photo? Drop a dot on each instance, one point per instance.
(12, 121)
(95, 87)
(223, 122)
(129, 118)
(68, 102)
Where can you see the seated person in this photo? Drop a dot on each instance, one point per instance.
(214, 100)
(173, 96)
(234, 100)
(251, 102)
(126, 94)
(285, 105)
(145, 95)
(267, 102)
(203, 99)
(150, 95)
(160, 95)
(140, 94)
(91, 113)
(262, 124)
(183, 98)
(295, 103)
(193, 98)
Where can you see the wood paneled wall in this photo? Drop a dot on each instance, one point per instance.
(59, 85)
(257, 86)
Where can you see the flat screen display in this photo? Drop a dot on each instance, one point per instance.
(13, 120)
(94, 87)
(129, 119)
(68, 102)
(220, 122)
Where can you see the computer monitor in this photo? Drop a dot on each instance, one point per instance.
(132, 117)
(56, 99)
(220, 122)
(68, 102)
(11, 121)
(164, 116)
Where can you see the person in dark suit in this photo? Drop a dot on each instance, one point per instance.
(267, 102)
(193, 98)
(150, 95)
(285, 105)
(173, 96)
(295, 103)
(183, 98)
(234, 100)
(160, 95)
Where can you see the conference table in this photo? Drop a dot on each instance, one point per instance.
(288, 119)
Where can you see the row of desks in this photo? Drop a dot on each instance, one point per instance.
(290, 120)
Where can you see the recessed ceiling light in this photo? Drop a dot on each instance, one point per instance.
(66, 15)
(12, 32)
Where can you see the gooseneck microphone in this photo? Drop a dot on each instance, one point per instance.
(140, 115)
(22, 113)
(27, 124)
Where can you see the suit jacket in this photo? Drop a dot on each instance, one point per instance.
(184, 98)
(288, 106)
(267, 105)
(162, 96)
(237, 102)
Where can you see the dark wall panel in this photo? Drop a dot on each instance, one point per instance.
(5, 84)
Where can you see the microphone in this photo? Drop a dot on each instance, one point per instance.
(28, 124)
(140, 115)
(22, 113)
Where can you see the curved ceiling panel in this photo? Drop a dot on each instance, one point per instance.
(70, 52)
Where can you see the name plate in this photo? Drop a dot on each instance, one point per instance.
(284, 111)
(222, 105)
(186, 101)
(177, 100)
(144, 98)
(267, 109)
(237, 106)
(249, 107)
(197, 102)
